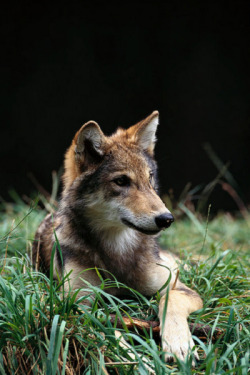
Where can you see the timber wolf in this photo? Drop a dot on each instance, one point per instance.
(109, 216)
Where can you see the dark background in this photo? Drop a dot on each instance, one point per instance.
(63, 65)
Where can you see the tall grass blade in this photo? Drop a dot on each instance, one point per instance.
(51, 290)
(65, 353)
(54, 345)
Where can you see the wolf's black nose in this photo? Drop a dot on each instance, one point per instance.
(164, 220)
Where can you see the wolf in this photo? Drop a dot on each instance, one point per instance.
(109, 217)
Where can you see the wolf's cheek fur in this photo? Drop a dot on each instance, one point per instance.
(108, 213)
(102, 214)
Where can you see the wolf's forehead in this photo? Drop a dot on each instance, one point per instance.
(130, 157)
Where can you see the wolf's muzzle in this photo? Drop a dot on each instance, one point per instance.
(164, 220)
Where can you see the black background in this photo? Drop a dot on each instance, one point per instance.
(64, 64)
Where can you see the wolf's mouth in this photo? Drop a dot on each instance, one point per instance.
(142, 230)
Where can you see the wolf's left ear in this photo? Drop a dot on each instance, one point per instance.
(144, 133)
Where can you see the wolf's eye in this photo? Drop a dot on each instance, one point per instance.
(122, 181)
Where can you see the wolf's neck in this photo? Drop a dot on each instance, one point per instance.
(115, 242)
(124, 252)
(121, 242)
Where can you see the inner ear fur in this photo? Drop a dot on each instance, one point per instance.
(144, 132)
(87, 148)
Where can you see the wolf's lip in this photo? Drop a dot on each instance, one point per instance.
(142, 230)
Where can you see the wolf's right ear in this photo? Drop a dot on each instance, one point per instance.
(89, 142)
(87, 148)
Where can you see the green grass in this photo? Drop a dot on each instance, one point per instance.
(43, 331)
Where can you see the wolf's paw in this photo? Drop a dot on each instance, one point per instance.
(177, 340)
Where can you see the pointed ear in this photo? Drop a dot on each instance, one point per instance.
(87, 148)
(144, 133)
(89, 143)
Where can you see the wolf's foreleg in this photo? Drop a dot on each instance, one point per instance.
(173, 313)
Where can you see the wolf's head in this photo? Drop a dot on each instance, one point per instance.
(112, 180)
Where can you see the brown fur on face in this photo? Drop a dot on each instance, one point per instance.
(108, 218)
(74, 159)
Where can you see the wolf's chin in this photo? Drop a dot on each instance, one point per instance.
(142, 230)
